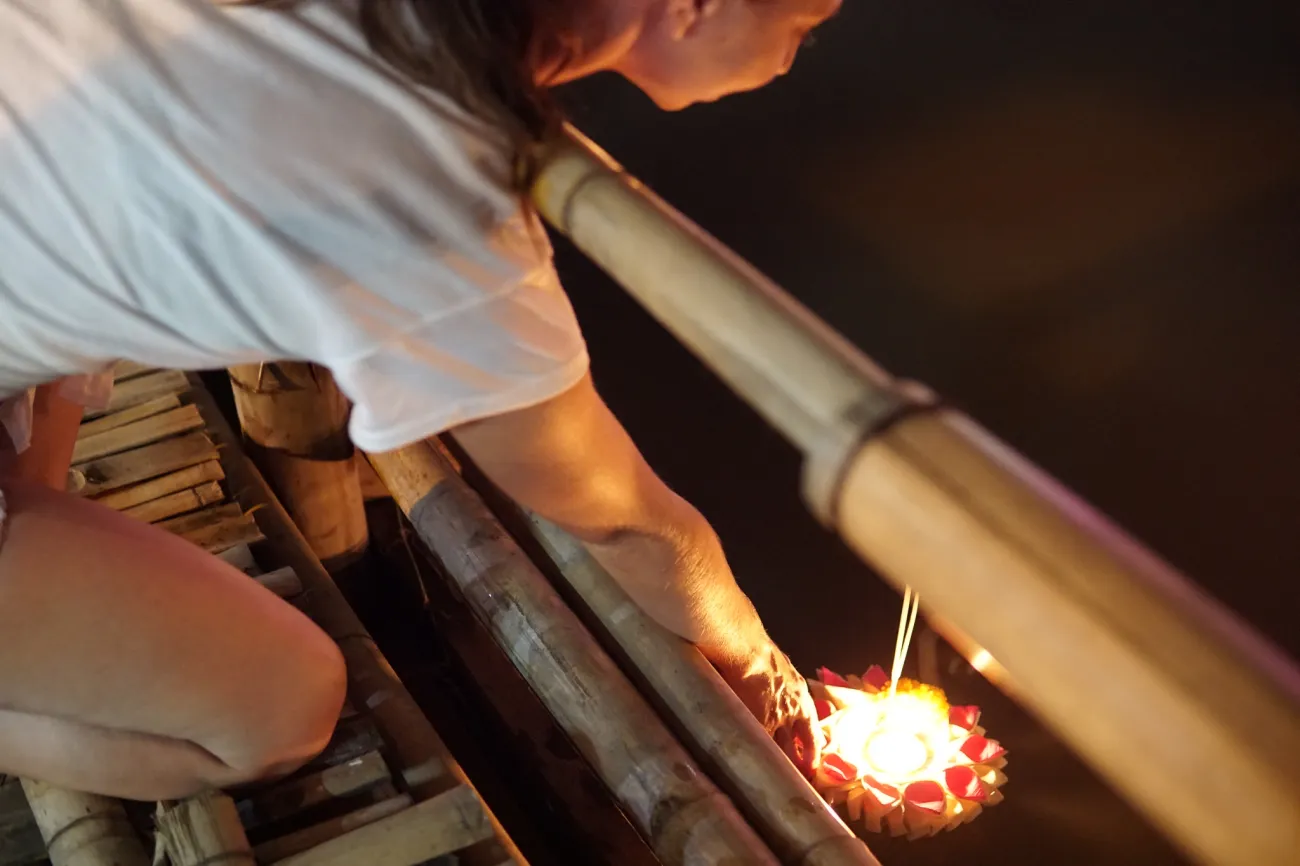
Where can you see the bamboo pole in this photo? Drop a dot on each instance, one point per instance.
(807, 381)
(416, 750)
(296, 418)
(83, 829)
(203, 830)
(1118, 653)
(1135, 667)
(794, 819)
(675, 807)
(20, 839)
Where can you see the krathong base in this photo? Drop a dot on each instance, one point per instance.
(905, 763)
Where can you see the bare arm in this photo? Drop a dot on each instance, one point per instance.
(571, 461)
(55, 422)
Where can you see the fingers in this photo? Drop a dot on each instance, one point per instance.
(805, 735)
(784, 737)
(797, 741)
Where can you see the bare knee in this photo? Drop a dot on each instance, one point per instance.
(294, 725)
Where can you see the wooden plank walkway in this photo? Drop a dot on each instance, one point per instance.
(163, 454)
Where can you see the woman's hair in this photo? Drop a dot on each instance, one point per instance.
(483, 54)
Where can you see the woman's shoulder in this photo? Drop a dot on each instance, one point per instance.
(249, 165)
(288, 90)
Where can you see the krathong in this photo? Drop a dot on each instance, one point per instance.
(898, 758)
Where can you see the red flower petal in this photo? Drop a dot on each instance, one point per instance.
(886, 794)
(839, 769)
(830, 678)
(963, 783)
(927, 796)
(964, 717)
(824, 708)
(876, 677)
(979, 749)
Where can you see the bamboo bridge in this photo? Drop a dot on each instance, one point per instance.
(1012, 568)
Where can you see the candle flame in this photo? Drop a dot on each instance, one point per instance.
(899, 736)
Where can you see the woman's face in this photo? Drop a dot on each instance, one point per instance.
(690, 51)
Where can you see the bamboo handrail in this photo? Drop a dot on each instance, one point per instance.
(786, 810)
(686, 820)
(1188, 714)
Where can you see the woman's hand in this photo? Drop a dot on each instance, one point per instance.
(777, 695)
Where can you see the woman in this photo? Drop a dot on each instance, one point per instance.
(193, 186)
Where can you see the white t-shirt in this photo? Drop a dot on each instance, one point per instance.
(193, 186)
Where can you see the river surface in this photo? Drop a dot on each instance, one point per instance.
(1080, 223)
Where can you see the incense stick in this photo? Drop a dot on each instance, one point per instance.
(906, 625)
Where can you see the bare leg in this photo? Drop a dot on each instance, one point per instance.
(99, 760)
(135, 665)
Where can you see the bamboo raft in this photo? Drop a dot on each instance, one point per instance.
(385, 791)
(1013, 570)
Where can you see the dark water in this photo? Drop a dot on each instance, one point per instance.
(1081, 222)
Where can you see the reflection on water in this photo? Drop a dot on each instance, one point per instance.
(1082, 224)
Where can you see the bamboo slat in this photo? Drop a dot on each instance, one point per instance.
(352, 738)
(83, 829)
(124, 370)
(1117, 652)
(203, 830)
(139, 494)
(413, 747)
(113, 473)
(216, 528)
(137, 434)
(290, 798)
(283, 582)
(282, 848)
(136, 413)
(297, 418)
(241, 557)
(228, 534)
(442, 825)
(142, 389)
(202, 519)
(792, 816)
(178, 503)
(673, 804)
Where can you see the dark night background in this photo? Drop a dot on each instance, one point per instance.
(1081, 223)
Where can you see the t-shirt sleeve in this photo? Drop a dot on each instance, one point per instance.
(507, 351)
